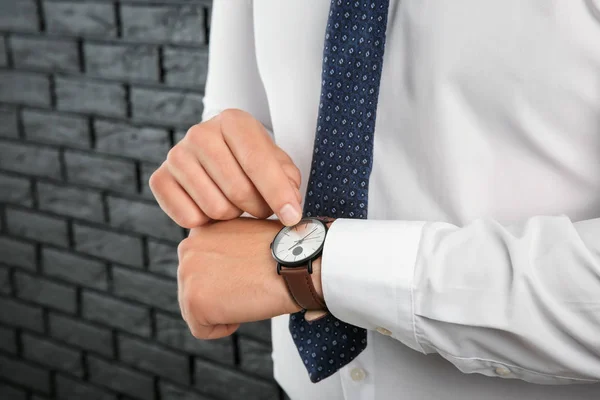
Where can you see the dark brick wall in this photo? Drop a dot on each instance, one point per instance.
(93, 93)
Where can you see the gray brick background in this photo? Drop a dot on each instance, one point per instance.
(93, 94)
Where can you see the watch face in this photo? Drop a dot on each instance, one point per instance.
(294, 245)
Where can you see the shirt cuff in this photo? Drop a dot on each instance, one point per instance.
(367, 273)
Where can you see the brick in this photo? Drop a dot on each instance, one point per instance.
(260, 330)
(162, 258)
(12, 393)
(19, 15)
(5, 285)
(31, 160)
(3, 52)
(120, 379)
(17, 253)
(172, 392)
(122, 61)
(143, 143)
(45, 292)
(56, 128)
(24, 87)
(8, 340)
(70, 201)
(209, 14)
(73, 268)
(146, 171)
(185, 67)
(68, 388)
(15, 190)
(213, 379)
(176, 108)
(142, 218)
(35, 226)
(53, 355)
(116, 313)
(255, 357)
(179, 135)
(15, 313)
(24, 374)
(170, 23)
(8, 121)
(86, 96)
(206, 3)
(108, 245)
(151, 358)
(175, 333)
(146, 289)
(103, 172)
(44, 53)
(80, 18)
(81, 334)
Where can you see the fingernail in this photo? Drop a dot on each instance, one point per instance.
(289, 215)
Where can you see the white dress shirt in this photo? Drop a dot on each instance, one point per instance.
(477, 273)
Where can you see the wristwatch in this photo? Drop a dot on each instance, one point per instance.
(295, 248)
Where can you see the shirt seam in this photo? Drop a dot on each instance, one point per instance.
(412, 293)
(414, 319)
(510, 366)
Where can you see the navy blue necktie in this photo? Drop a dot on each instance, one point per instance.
(342, 159)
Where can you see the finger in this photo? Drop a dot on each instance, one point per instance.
(289, 167)
(219, 163)
(298, 195)
(180, 298)
(315, 315)
(293, 175)
(255, 152)
(188, 172)
(295, 186)
(213, 331)
(174, 201)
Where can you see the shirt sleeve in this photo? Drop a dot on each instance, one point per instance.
(519, 301)
(233, 79)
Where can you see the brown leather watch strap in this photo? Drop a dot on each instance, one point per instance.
(301, 288)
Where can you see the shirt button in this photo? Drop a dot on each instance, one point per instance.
(357, 374)
(383, 331)
(502, 371)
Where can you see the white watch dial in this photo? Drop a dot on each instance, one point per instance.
(299, 242)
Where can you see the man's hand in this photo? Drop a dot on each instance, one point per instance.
(223, 167)
(227, 276)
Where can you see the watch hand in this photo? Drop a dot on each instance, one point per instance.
(312, 238)
(296, 243)
(300, 241)
(308, 234)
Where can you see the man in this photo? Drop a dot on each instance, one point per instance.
(477, 272)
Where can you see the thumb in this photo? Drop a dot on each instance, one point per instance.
(297, 190)
(293, 174)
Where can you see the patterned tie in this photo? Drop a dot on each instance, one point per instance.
(342, 159)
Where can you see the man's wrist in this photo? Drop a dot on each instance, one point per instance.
(290, 304)
(316, 278)
(316, 274)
